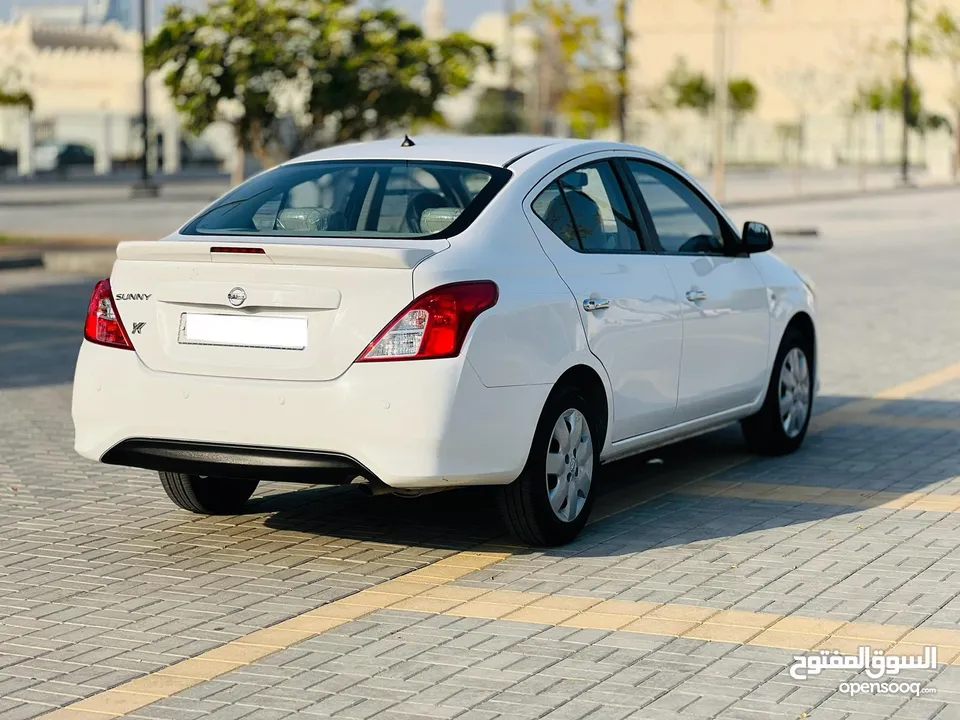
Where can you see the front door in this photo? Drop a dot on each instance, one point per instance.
(726, 317)
(628, 304)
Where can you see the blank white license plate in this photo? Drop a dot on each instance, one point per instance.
(277, 333)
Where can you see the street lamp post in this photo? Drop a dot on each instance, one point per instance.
(509, 8)
(720, 104)
(907, 95)
(623, 17)
(145, 186)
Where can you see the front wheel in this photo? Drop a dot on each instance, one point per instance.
(548, 505)
(781, 424)
(207, 495)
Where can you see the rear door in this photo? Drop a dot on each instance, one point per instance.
(726, 312)
(292, 275)
(627, 303)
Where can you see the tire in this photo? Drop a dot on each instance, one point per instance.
(207, 495)
(766, 432)
(525, 504)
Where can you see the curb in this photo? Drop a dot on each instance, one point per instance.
(90, 262)
(68, 262)
(840, 196)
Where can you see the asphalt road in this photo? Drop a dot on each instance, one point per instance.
(701, 577)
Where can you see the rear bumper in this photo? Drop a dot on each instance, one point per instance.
(233, 461)
(409, 424)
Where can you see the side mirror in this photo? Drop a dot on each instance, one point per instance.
(756, 238)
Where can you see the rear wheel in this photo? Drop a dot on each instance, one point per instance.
(207, 495)
(548, 505)
(781, 424)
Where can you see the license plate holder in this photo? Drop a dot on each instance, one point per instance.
(244, 331)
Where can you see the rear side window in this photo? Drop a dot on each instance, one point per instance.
(587, 209)
(355, 199)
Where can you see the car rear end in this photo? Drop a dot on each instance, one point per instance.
(282, 335)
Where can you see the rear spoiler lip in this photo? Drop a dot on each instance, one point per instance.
(403, 254)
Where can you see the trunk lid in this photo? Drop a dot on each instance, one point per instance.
(297, 311)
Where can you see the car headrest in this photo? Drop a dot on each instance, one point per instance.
(308, 219)
(437, 220)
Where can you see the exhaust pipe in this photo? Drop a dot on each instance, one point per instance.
(374, 487)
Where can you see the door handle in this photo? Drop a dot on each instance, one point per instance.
(592, 304)
(696, 295)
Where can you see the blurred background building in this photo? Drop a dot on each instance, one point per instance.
(802, 67)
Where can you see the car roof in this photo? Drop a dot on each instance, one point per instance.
(500, 150)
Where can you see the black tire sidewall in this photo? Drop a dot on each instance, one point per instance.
(769, 420)
(551, 530)
(207, 495)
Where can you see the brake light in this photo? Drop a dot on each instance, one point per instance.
(434, 325)
(239, 250)
(103, 325)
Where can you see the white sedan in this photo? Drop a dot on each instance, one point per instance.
(444, 312)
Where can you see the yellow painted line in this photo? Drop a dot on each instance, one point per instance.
(429, 590)
(877, 419)
(922, 384)
(699, 623)
(136, 694)
(904, 391)
(824, 496)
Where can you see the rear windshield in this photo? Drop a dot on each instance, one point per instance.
(374, 199)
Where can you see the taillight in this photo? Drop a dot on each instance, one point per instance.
(104, 326)
(434, 325)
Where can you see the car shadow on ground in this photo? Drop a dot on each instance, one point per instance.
(41, 324)
(638, 506)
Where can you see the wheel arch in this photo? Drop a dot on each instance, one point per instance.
(596, 392)
(803, 323)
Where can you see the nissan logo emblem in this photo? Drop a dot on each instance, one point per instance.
(237, 296)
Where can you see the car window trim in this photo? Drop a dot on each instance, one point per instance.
(555, 176)
(573, 218)
(499, 178)
(729, 238)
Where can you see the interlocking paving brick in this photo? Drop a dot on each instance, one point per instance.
(102, 581)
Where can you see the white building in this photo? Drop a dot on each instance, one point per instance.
(96, 13)
(85, 83)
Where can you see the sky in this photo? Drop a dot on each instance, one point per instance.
(460, 13)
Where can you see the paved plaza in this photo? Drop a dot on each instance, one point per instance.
(704, 570)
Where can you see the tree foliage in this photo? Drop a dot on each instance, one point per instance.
(940, 41)
(576, 80)
(881, 96)
(590, 106)
(685, 89)
(11, 95)
(744, 96)
(335, 70)
(688, 90)
(495, 115)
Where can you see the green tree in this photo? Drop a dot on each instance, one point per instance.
(915, 112)
(10, 93)
(386, 75)
(339, 71)
(570, 64)
(591, 105)
(688, 90)
(871, 98)
(494, 114)
(940, 41)
(744, 98)
(685, 89)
